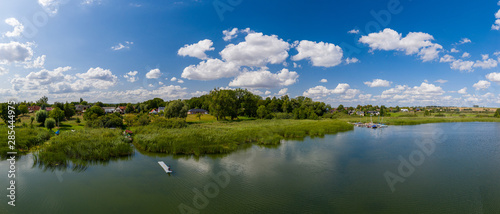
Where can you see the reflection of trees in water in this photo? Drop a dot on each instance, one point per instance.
(77, 165)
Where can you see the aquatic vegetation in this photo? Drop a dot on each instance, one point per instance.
(224, 137)
(82, 146)
(26, 138)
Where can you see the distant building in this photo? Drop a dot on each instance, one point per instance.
(121, 109)
(49, 108)
(404, 110)
(153, 112)
(196, 111)
(32, 109)
(82, 108)
(109, 109)
(160, 109)
(360, 113)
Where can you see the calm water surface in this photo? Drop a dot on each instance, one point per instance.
(341, 173)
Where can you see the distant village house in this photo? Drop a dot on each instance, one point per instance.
(32, 109)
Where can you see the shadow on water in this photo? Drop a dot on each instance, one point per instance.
(77, 165)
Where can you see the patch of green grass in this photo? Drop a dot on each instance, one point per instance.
(25, 139)
(225, 137)
(83, 146)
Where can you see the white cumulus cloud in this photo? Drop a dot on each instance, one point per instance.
(153, 74)
(378, 83)
(494, 77)
(496, 25)
(320, 54)
(131, 76)
(481, 85)
(265, 79)
(413, 43)
(197, 50)
(18, 27)
(210, 70)
(463, 90)
(15, 52)
(257, 50)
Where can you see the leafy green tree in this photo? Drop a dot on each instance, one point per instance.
(155, 103)
(129, 108)
(41, 116)
(287, 105)
(57, 114)
(262, 112)
(69, 110)
(341, 108)
(93, 113)
(497, 113)
(177, 109)
(427, 113)
(50, 123)
(143, 119)
(58, 105)
(383, 110)
(246, 102)
(198, 115)
(32, 119)
(223, 103)
(23, 109)
(99, 103)
(43, 100)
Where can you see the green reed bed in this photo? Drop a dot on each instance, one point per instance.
(25, 139)
(224, 137)
(83, 146)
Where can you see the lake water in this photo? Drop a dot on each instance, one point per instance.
(341, 173)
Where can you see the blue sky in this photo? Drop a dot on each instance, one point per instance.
(351, 52)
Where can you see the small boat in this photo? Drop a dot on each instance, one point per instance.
(165, 167)
(382, 126)
(374, 126)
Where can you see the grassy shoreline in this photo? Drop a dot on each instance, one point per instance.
(220, 138)
(86, 145)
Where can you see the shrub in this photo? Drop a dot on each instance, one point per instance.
(283, 116)
(50, 123)
(162, 122)
(440, 115)
(41, 116)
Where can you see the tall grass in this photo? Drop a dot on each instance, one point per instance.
(26, 138)
(224, 137)
(83, 146)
